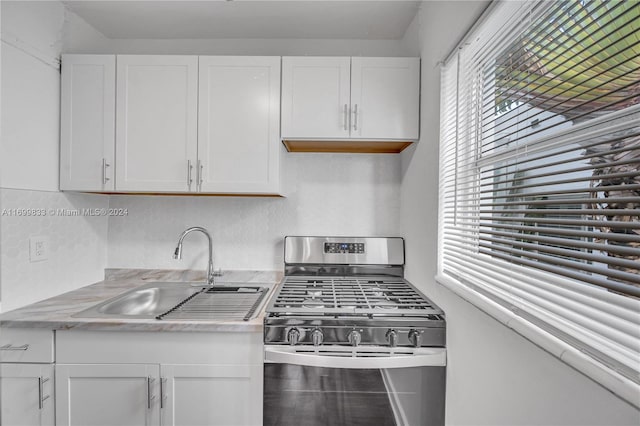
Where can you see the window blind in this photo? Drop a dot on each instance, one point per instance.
(540, 171)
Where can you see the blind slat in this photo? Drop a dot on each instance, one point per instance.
(534, 235)
(615, 326)
(528, 244)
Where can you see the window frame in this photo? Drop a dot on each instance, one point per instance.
(543, 330)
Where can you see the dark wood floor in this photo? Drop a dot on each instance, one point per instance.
(312, 396)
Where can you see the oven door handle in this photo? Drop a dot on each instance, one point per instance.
(421, 357)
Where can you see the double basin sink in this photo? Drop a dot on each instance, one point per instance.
(193, 301)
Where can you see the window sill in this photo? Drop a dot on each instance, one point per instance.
(590, 367)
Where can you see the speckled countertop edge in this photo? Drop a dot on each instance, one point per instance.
(56, 313)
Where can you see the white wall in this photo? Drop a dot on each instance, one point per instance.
(77, 248)
(495, 376)
(32, 39)
(327, 194)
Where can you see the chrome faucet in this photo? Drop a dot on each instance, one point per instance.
(178, 253)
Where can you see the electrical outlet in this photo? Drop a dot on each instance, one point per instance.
(38, 248)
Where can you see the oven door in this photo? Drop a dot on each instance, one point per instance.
(346, 386)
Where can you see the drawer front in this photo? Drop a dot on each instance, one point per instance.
(26, 345)
(137, 347)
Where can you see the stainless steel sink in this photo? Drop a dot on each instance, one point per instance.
(146, 301)
(164, 300)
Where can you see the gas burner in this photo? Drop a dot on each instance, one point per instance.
(313, 303)
(378, 292)
(387, 305)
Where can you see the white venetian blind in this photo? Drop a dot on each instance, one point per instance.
(540, 171)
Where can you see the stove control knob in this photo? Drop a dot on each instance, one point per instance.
(317, 337)
(392, 337)
(293, 336)
(354, 337)
(415, 337)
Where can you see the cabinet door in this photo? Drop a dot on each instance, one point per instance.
(107, 395)
(385, 96)
(315, 97)
(212, 395)
(87, 131)
(156, 122)
(239, 124)
(26, 394)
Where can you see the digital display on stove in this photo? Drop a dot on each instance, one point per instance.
(351, 248)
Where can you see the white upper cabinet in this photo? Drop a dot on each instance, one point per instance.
(239, 124)
(171, 124)
(315, 97)
(211, 124)
(87, 128)
(350, 98)
(385, 98)
(156, 123)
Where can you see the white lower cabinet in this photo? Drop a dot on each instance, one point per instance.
(26, 394)
(107, 394)
(158, 378)
(26, 377)
(211, 395)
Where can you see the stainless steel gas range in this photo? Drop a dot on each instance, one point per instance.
(348, 341)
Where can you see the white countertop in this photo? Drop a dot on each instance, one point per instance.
(57, 312)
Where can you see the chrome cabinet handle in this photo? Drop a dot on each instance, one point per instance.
(189, 179)
(150, 397)
(105, 178)
(355, 117)
(346, 117)
(200, 174)
(41, 397)
(163, 380)
(10, 347)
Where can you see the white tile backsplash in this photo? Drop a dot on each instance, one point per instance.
(77, 249)
(327, 194)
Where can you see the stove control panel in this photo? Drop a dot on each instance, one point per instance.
(311, 333)
(351, 248)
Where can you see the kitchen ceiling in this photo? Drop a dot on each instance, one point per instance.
(214, 19)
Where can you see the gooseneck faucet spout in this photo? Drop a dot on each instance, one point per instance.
(178, 252)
